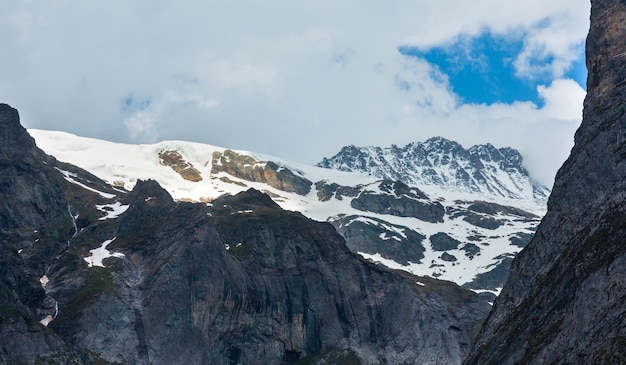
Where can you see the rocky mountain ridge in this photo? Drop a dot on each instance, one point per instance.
(95, 274)
(385, 221)
(481, 169)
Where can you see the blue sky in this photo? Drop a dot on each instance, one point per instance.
(300, 80)
(481, 69)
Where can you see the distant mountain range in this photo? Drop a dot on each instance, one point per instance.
(481, 169)
(446, 212)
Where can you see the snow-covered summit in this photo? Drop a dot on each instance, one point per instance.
(481, 169)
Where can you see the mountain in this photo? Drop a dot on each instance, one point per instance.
(480, 170)
(425, 230)
(565, 301)
(95, 274)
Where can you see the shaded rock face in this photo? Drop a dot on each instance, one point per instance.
(400, 200)
(34, 226)
(374, 236)
(494, 278)
(565, 297)
(247, 168)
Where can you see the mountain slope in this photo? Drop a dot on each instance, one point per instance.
(565, 298)
(107, 276)
(383, 220)
(481, 169)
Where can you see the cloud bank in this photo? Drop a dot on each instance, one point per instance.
(293, 79)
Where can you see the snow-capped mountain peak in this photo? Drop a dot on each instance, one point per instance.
(481, 169)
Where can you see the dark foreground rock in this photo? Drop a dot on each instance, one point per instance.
(565, 297)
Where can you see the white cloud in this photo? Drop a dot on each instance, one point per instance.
(141, 125)
(295, 79)
(563, 99)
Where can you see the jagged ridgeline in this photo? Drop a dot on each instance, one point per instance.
(482, 169)
(95, 274)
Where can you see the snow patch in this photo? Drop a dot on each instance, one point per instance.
(112, 210)
(101, 253)
(44, 281)
(69, 176)
(46, 321)
(244, 211)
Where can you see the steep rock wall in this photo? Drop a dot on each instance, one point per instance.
(564, 300)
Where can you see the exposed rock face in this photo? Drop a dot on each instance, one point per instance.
(565, 297)
(496, 172)
(247, 168)
(494, 278)
(174, 160)
(442, 242)
(326, 303)
(374, 236)
(326, 191)
(399, 200)
(466, 230)
(252, 283)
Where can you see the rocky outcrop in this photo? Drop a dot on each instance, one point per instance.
(374, 236)
(442, 242)
(400, 200)
(185, 169)
(495, 278)
(564, 299)
(327, 190)
(268, 172)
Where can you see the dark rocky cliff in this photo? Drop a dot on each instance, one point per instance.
(565, 298)
(34, 226)
(95, 275)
